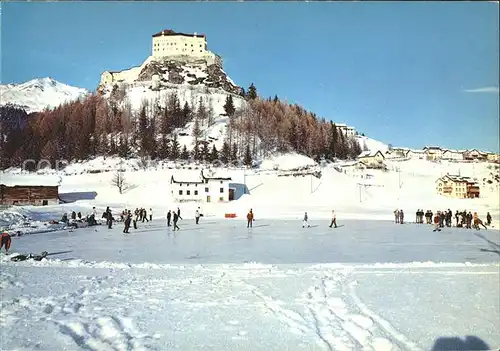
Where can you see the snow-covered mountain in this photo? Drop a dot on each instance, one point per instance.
(37, 94)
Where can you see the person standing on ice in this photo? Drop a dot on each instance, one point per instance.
(305, 223)
(396, 216)
(5, 240)
(250, 219)
(136, 217)
(488, 219)
(150, 214)
(334, 219)
(179, 212)
(128, 219)
(176, 218)
(437, 222)
(110, 219)
(401, 216)
(197, 215)
(169, 217)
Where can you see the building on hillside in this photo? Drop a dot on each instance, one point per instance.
(372, 158)
(493, 157)
(398, 152)
(452, 155)
(26, 190)
(474, 154)
(168, 43)
(203, 189)
(457, 187)
(415, 154)
(433, 153)
(355, 169)
(172, 45)
(346, 130)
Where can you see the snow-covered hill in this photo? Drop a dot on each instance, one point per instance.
(37, 94)
(371, 144)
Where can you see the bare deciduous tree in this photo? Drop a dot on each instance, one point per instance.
(119, 181)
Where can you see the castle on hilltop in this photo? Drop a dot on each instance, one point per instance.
(171, 45)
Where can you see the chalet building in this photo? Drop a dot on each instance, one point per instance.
(453, 155)
(372, 158)
(474, 154)
(204, 189)
(457, 187)
(433, 153)
(25, 190)
(415, 154)
(493, 157)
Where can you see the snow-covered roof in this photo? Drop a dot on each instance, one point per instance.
(369, 153)
(461, 179)
(29, 180)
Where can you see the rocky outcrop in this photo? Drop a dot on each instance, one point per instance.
(192, 72)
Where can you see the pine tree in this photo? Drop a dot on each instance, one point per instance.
(196, 152)
(332, 149)
(184, 153)
(214, 155)
(204, 153)
(225, 154)
(163, 151)
(252, 92)
(196, 129)
(175, 149)
(142, 131)
(234, 153)
(248, 156)
(229, 106)
(187, 114)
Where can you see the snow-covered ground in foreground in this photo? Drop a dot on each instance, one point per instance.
(371, 285)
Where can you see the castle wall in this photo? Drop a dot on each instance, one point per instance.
(170, 45)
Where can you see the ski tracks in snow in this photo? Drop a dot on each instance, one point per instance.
(330, 312)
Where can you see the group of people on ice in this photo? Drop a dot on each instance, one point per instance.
(440, 219)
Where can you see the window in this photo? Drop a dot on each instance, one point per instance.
(221, 199)
(206, 190)
(180, 192)
(221, 181)
(188, 192)
(196, 192)
(221, 190)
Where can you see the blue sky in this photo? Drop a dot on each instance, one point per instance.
(409, 74)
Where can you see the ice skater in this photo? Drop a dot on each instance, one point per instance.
(6, 240)
(334, 219)
(169, 218)
(401, 217)
(197, 215)
(128, 219)
(488, 219)
(437, 222)
(250, 218)
(396, 216)
(150, 214)
(176, 218)
(305, 223)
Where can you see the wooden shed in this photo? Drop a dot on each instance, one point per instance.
(29, 190)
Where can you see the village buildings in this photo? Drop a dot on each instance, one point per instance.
(27, 190)
(372, 159)
(457, 187)
(202, 189)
